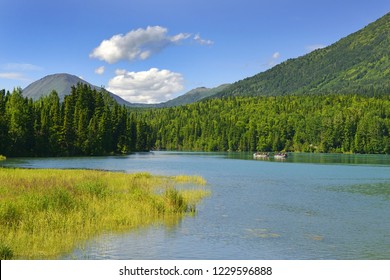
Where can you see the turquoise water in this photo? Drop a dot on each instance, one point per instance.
(309, 206)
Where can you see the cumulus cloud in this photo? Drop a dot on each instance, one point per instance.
(201, 41)
(136, 44)
(152, 86)
(100, 70)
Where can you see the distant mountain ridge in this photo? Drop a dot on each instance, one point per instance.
(62, 84)
(358, 63)
(194, 95)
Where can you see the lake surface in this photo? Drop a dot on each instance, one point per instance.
(309, 206)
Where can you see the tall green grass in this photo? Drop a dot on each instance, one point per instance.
(46, 213)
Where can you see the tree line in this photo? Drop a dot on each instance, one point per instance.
(306, 123)
(90, 122)
(87, 122)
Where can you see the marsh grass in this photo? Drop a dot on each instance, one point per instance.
(185, 179)
(2, 157)
(46, 213)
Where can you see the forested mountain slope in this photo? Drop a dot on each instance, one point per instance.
(358, 63)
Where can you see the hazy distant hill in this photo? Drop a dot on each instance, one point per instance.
(358, 63)
(194, 95)
(61, 83)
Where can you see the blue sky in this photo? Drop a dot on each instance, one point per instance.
(150, 51)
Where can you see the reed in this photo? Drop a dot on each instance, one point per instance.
(3, 157)
(186, 179)
(47, 213)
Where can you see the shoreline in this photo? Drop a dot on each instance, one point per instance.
(45, 213)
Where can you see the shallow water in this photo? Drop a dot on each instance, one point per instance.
(309, 206)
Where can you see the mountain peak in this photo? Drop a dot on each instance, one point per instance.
(62, 83)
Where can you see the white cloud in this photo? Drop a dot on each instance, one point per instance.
(14, 76)
(18, 71)
(201, 41)
(314, 47)
(136, 44)
(22, 67)
(152, 86)
(100, 70)
(276, 55)
(273, 60)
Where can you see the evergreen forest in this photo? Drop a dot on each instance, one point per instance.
(294, 123)
(87, 122)
(90, 122)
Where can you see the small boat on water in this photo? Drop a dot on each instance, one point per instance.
(280, 155)
(260, 155)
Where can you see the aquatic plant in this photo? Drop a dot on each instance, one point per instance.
(46, 213)
(190, 179)
(6, 252)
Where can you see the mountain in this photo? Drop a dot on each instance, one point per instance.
(358, 63)
(62, 83)
(194, 95)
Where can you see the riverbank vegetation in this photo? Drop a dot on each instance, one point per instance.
(47, 213)
(296, 123)
(91, 123)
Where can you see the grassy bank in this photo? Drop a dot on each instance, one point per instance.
(46, 213)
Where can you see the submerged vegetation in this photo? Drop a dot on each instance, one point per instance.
(378, 189)
(46, 213)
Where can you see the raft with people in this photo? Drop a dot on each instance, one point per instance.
(262, 155)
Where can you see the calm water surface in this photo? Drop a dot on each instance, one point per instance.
(309, 206)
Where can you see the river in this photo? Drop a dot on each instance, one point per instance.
(308, 206)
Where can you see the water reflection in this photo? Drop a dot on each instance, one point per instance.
(124, 244)
(321, 158)
(309, 206)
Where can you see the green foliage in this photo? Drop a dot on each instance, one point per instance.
(323, 123)
(358, 63)
(90, 123)
(87, 122)
(175, 200)
(10, 215)
(6, 252)
(47, 213)
(318, 112)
